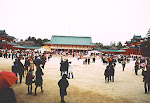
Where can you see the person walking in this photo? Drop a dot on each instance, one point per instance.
(63, 84)
(123, 64)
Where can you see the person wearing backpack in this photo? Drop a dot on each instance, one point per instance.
(29, 78)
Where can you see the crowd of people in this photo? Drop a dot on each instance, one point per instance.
(31, 63)
(35, 62)
(140, 63)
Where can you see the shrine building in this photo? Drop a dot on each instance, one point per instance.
(6, 41)
(134, 46)
(70, 44)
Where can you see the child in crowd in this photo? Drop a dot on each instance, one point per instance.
(70, 70)
(107, 74)
(29, 81)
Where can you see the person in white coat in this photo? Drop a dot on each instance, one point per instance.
(70, 70)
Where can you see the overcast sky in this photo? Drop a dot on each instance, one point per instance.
(103, 20)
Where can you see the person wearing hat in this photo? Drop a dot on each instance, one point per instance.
(63, 84)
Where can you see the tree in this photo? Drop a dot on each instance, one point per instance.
(21, 40)
(100, 45)
(16, 40)
(119, 45)
(148, 33)
(146, 45)
(39, 42)
(28, 39)
(45, 40)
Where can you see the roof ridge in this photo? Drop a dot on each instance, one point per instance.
(71, 36)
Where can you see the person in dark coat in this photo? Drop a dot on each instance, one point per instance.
(107, 73)
(63, 84)
(29, 81)
(43, 58)
(66, 65)
(12, 56)
(20, 69)
(1, 54)
(146, 75)
(26, 64)
(136, 67)
(62, 71)
(7, 95)
(88, 60)
(15, 69)
(93, 58)
(123, 64)
(39, 80)
(9, 55)
(37, 62)
(112, 72)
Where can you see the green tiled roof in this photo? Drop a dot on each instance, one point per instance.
(125, 48)
(8, 43)
(4, 35)
(32, 47)
(2, 31)
(10, 37)
(11, 43)
(27, 47)
(108, 50)
(134, 47)
(70, 40)
(137, 37)
(132, 40)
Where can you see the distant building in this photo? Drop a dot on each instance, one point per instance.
(110, 51)
(133, 46)
(70, 44)
(7, 43)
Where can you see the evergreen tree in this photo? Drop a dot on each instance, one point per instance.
(146, 45)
